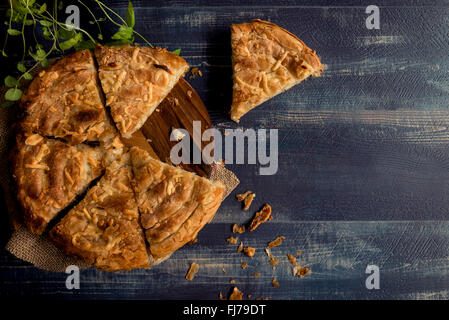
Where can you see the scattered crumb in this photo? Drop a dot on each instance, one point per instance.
(249, 251)
(232, 240)
(193, 241)
(194, 267)
(301, 271)
(244, 265)
(189, 93)
(292, 259)
(260, 217)
(249, 296)
(225, 133)
(223, 269)
(195, 72)
(236, 294)
(248, 200)
(240, 248)
(275, 283)
(276, 242)
(274, 261)
(256, 275)
(157, 110)
(173, 101)
(232, 281)
(220, 296)
(242, 196)
(268, 251)
(238, 229)
(298, 253)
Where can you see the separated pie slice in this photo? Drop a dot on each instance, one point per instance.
(266, 61)
(64, 101)
(174, 204)
(49, 174)
(135, 80)
(103, 229)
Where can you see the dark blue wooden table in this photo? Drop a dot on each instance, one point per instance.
(363, 173)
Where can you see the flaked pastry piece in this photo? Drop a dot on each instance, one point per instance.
(64, 101)
(174, 204)
(103, 229)
(135, 80)
(266, 61)
(49, 174)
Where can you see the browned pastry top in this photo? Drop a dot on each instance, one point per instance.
(49, 174)
(135, 80)
(267, 60)
(174, 204)
(64, 101)
(103, 229)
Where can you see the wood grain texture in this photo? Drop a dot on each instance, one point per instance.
(363, 158)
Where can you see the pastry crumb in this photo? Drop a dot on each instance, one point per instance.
(177, 134)
(238, 229)
(194, 267)
(223, 269)
(276, 242)
(244, 265)
(260, 217)
(249, 251)
(275, 283)
(256, 275)
(195, 72)
(298, 253)
(236, 294)
(301, 272)
(240, 248)
(232, 281)
(242, 196)
(232, 240)
(220, 296)
(189, 93)
(248, 200)
(292, 259)
(274, 261)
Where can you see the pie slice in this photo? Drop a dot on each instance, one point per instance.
(135, 80)
(64, 101)
(49, 174)
(266, 61)
(103, 229)
(174, 204)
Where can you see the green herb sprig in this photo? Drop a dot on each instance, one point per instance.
(24, 14)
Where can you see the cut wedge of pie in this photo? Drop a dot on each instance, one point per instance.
(135, 80)
(103, 229)
(64, 101)
(49, 174)
(174, 204)
(266, 61)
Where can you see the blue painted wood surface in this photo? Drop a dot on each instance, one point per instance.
(363, 159)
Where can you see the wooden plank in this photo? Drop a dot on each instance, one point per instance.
(412, 257)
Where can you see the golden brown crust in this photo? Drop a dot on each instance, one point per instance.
(103, 229)
(174, 204)
(267, 60)
(64, 101)
(135, 80)
(49, 174)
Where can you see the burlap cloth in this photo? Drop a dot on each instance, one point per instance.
(39, 250)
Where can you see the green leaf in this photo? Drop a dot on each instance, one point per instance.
(7, 104)
(29, 22)
(100, 36)
(21, 67)
(61, 5)
(124, 33)
(85, 44)
(13, 94)
(66, 34)
(14, 32)
(177, 51)
(45, 63)
(71, 42)
(42, 8)
(27, 76)
(130, 18)
(40, 53)
(11, 82)
(4, 53)
(45, 23)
